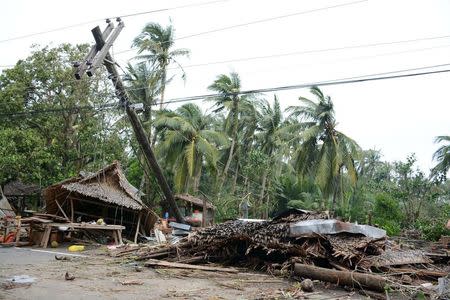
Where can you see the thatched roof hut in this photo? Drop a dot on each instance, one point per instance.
(105, 194)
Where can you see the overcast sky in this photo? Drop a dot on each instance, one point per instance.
(398, 117)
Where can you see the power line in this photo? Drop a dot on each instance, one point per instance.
(58, 110)
(258, 21)
(303, 52)
(102, 19)
(292, 87)
(346, 80)
(271, 19)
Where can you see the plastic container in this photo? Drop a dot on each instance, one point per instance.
(76, 248)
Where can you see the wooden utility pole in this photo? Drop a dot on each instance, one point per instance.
(99, 55)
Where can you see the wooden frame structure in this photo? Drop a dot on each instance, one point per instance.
(106, 194)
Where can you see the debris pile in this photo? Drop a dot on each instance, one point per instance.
(268, 245)
(281, 247)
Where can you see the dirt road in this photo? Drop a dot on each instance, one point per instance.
(98, 276)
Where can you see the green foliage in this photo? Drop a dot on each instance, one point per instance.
(433, 228)
(22, 155)
(294, 192)
(227, 207)
(47, 147)
(188, 143)
(387, 214)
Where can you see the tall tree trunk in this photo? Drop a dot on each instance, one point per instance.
(197, 176)
(263, 186)
(233, 139)
(236, 174)
(163, 87)
(333, 203)
(267, 201)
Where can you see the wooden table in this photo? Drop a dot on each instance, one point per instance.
(116, 230)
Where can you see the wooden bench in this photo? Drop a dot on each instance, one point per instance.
(116, 230)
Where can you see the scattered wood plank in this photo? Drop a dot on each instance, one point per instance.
(191, 260)
(343, 278)
(50, 216)
(123, 251)
(36, 219)
(154, 255)
(420, 272)
(167, 264)
(393, 258)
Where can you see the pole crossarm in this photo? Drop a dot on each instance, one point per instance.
(84, 66)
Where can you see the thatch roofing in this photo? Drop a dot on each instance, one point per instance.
(108, 185)
(18, 188)
(193, 200)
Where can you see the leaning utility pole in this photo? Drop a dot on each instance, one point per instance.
(99, 55)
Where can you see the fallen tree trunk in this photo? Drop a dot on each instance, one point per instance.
(168, 264)
(343, 278)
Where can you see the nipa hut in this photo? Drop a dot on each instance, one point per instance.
(106, 194)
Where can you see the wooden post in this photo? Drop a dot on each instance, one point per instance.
(205, 210)
(46, 236)
(137, 228)
(62, 211)
(72, 211)
(19, 223)
(135, 122)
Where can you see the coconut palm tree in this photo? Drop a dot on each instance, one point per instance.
(143, 83)
(442, 156)
(189, 142)
(156, 43)
(228, 88)
(269, 139)
(324, 152)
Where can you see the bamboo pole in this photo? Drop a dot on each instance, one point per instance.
(72, 211)
(137, 228)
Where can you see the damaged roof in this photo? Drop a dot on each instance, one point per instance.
(107, 185)
(18, 188)
(193, 200)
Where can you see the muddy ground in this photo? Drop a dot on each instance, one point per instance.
(98, 276)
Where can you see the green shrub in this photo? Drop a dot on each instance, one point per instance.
(433, 227)
(387, 214)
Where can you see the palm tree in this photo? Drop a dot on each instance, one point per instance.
(324, 152)
(157, 42)
(228, 88)
(189, 142)
(143, 83)
(270, 124)
(442, 156)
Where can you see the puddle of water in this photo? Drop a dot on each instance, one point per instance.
(22, 279)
